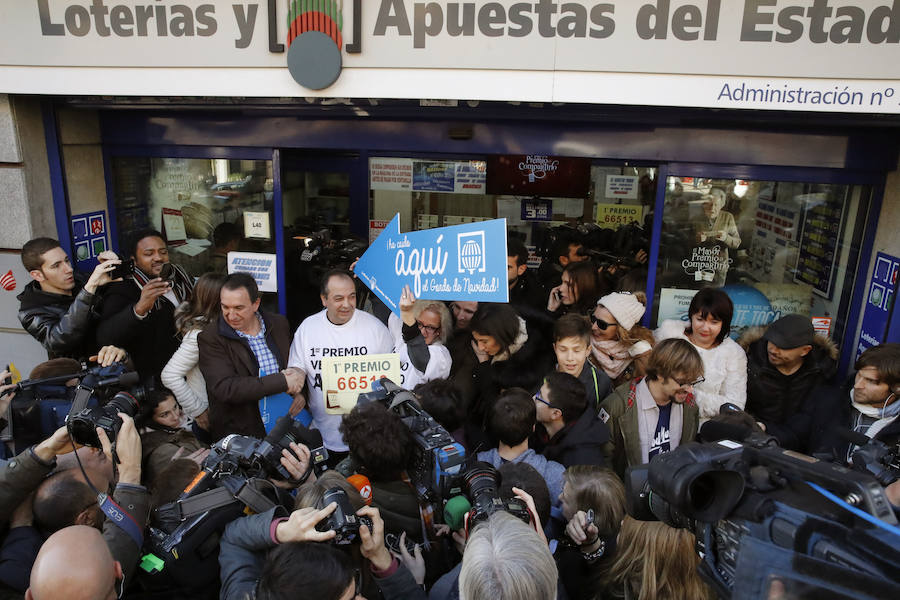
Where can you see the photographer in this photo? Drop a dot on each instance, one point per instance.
(301, 562)
(58, 307)
(138, 313)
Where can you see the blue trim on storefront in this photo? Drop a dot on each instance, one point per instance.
(278, 208)
(655, 237)
(57, 179)
(858, 298)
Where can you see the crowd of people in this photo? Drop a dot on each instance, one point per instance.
(561, 390)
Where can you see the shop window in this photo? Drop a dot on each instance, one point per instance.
(539, 196)
(775, 247)
(188, 198)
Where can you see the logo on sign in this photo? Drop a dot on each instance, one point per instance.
(314, 40)
(471, 251)
(8, 281)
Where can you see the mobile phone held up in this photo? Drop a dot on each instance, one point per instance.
(126, 269)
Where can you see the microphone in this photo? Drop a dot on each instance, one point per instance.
(848, 435)
(363, 486)
(713, 431)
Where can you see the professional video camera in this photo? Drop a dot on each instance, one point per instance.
(41, 406)
(874, 457)
(769, 520)
(184, 535)
(438, 460)
(606, 247)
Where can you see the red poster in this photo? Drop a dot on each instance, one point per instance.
(539, 175)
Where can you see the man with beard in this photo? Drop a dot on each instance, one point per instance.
(655, 414)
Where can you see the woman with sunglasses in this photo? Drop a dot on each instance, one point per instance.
(419, 338)
(619, 345)
(724, 361)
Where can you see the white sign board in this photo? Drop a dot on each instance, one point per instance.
(622, 186)
(344, 379)
(828, 55)
(263, 268)
(256, 225)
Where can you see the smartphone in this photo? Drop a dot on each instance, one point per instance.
(123, 270)
(558, 294)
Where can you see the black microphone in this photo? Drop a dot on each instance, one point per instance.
(848, 435)
(125, 379)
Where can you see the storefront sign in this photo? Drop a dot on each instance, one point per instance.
(462, 262)
(537, 209)
(344, 379)
(827, 55)
(537, 175)
(822, 223)
(622, 186)
(375, 229)
(263, 268)
(256, 225)
(613, 216)
(173, 227)
(879, 302)
(446, 176)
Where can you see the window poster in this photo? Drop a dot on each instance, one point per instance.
(823, 217)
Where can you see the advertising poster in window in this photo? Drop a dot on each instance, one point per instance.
(823, 217)
(712, 239)
(539, 175)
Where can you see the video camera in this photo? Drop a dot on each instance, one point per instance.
(607, 247)
(874, 457)
(438, 459)
(769, 520)
(184, 535)
(41, 406)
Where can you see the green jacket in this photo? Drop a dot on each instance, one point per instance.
(619, 411)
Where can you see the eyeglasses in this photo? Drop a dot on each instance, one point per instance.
(428, 328)
(600, 323)
(698, 381)
(537, 396)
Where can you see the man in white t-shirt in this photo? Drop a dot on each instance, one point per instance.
(339, 330)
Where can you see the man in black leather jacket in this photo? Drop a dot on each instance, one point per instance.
(57, 308)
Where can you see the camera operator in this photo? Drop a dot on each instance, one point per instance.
(655, 414)
(870, 408)
(302, 562)
(138, 313)
(124, 537)
(58, 307)
(380, 448)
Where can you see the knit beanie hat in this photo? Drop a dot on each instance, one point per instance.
(625, 308)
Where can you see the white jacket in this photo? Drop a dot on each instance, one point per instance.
(724, 371)
(182, 375)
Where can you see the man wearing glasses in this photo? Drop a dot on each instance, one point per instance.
(657, 413)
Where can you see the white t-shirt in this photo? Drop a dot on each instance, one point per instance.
(316, 337)
(438, 364)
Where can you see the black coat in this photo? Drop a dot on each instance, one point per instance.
(64, 325)
(773, 397)
(232, 376)
(151, 341)
(579, 443)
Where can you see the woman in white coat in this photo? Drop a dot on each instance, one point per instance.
(182, 373)
(724, 361)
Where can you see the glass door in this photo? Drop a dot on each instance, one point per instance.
(318, 199)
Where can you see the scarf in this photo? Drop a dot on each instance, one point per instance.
(182, 285)
(883, 415)
(612, 356)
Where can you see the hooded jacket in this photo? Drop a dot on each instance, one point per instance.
(773, 397)
(64, 325)
(581, 442)
(620, 412)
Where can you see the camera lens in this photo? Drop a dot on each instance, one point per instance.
(123, 402)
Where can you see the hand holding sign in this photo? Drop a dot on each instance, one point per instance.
(462, 262)
(344, 379)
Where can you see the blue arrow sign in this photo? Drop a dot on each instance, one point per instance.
(462, 262)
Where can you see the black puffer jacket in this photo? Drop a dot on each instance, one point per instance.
(64, 325)
(773, 397)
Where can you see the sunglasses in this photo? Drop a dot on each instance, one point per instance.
(429, 328)
(697, 381)
(600, 323)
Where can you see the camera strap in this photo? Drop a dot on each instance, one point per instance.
(121, 518)
(223, 496)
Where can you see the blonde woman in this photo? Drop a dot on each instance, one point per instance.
(657, 562)
(419, 338)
